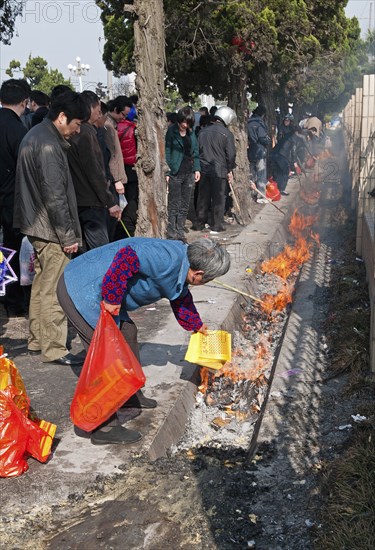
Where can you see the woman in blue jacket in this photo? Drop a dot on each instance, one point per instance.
(182, 156)
(126, 275)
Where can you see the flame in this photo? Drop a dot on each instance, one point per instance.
(288, 260)
(315, 237)
(298, 223)
(311, 197)
(204, 380)
(279, 301)
(283, 265)
(231, 371)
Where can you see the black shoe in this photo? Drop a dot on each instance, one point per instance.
(33, 352)
(117, 435)
(140, 401)
(285, 193)
(69, 359)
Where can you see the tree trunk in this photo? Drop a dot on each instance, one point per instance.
(266, 97)
(149, 55)
(265, 94)
(237, 100)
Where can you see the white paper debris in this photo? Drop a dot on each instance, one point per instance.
(358, 417)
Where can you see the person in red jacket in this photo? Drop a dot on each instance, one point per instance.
(126, 133)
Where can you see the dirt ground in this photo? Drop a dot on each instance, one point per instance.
(205, 497)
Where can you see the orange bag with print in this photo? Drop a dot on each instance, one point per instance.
(22, 434)
(111, 374)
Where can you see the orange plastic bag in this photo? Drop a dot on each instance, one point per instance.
(20, 436)
(272, 190)
(110, 375)
(9, 376)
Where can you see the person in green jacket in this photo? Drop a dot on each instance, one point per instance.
(182, 156)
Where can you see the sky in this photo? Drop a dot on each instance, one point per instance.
(62, 30)
(59, 31)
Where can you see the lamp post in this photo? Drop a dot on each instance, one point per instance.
(80, 69)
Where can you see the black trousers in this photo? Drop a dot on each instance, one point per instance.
(94, 224)
(211, 196)
(280, 170)
(179, 192)
(85, 331)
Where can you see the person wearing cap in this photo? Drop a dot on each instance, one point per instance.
(286, 126)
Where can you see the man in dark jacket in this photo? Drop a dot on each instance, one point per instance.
(217, 154)
(257, 151)
(13, 95)
(284, 157)
(46, 211)
(39, 103)
(94, 199)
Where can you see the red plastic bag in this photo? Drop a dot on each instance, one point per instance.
(20, 436)
(21, 433)
(272, 190)
(110, 375)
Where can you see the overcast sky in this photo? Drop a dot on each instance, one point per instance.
(61, 30)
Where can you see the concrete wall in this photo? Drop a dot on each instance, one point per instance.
(359, 125)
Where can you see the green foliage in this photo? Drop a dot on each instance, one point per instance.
(37, 73)
(303, 51)
(118, 30)
(34, 70)
(174, 100)
(9, 9)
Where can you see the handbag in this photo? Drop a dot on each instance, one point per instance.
(110, 375)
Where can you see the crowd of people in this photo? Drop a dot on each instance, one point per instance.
(285, 152)
(66, 179)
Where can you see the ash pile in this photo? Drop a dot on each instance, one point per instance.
(229, 400)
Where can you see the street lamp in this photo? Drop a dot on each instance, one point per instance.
(80, 69)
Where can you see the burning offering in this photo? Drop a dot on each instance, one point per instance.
(230, 398)
(212, 350)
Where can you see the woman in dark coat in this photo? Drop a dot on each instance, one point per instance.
(182, 156)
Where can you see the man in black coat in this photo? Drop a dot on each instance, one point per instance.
(14, 95)
(257, 152)
(217, 155)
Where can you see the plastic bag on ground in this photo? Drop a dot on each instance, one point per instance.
(20, 435)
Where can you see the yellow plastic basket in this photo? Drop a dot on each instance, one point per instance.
(211, 351)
